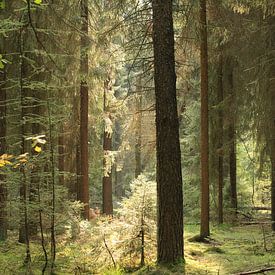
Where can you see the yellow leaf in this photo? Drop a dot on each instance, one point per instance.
(23, 160)
(37, 149)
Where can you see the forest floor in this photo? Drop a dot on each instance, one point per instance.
(230, 250)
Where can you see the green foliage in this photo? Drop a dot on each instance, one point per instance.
(2, 4)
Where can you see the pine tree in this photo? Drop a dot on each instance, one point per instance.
(169, 177)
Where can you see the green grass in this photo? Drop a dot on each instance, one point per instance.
(230, 250)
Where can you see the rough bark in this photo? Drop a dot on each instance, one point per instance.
(169, 177)
(84, 99)
(107, 147)
(204, 230)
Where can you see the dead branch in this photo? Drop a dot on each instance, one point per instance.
(262, 270)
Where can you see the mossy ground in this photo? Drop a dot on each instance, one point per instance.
(231, 249)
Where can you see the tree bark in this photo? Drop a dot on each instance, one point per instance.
(25, 111)
(61, 156)
(271, 23)
(204, 230)
(169, 176)
(220, 140)
(84, 100)
(138, 168)
(232, 142)
(107, 147)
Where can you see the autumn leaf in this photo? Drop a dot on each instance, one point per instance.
(37, 149)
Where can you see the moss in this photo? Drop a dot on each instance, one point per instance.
(231, 249)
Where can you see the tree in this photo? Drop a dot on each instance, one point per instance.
(204, 231)
(138, 141)
(271, 87)
(232, 135)
(84, 99)
(220, 138)
(169, 177)
(3, 189)
(107, 147)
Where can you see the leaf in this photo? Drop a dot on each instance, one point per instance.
(37, 149)
(38, 2)
(1, 65)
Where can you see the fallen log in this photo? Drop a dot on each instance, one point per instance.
(262, 270)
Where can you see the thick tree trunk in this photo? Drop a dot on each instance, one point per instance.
(169, 177)
(220, 140)
(84, 100)
(3, 189)
(107, 147)
(204, 231)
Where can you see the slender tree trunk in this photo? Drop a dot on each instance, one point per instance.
(34, 178)
(205, 231)
(3, 188)
(24, 93)
(169, 176)
(53, 206)
(232, 141)
(61, 156)
(107, 147)
(118, 183)
(84, 100)
(138, 141)
(273, 185)
(271, 22)
(220, 140)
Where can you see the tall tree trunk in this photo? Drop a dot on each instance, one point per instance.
(84, 101)
(107, 147)
(25, 111)
(138, 168)
(232, 141)
(118, 182)
(220, 140)
(61, 156)
(169, 176)
(271, 23)
(3, 188)
(34, 178)
(204, 230)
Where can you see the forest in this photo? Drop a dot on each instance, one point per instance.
(137, 137)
